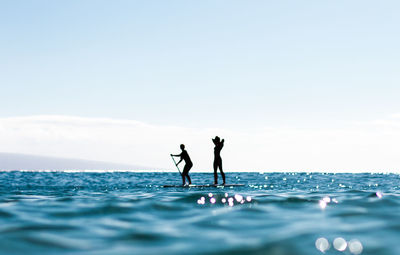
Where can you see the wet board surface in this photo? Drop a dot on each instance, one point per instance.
(203, 186)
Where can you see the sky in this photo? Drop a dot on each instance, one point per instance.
(290, 85)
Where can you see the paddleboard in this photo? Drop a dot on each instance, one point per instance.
(203, 186)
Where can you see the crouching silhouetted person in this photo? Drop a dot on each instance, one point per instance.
(188, 164)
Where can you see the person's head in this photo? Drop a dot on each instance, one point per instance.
(182, 146)
(217, 138)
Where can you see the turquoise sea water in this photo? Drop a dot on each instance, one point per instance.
(130, 213)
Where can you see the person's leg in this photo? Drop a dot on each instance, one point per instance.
(215, 172)
(222, 172)
(183, 178)
(188, 177)
(185, 173)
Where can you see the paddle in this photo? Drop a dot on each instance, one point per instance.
(176, 165)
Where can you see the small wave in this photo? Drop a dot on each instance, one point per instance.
(128, 213)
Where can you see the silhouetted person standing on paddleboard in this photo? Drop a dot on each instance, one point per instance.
(188, 163)
(217, 159)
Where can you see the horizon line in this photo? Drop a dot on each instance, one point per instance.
(202, 171)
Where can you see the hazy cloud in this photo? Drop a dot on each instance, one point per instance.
(352, 147)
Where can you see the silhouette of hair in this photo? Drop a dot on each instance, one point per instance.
(217, 138)
(182, 146)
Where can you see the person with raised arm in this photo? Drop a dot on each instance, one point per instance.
(188, 164)
(218, 160)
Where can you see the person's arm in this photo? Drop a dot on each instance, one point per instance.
(215, 143)
(222, 143)
(179, 162)
(177, 155)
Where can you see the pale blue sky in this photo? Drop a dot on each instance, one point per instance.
(218, 64)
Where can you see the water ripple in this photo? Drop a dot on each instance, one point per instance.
(130, 213)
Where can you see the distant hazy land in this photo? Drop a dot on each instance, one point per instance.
(14, 161)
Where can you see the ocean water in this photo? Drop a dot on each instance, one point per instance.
(130, 213)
